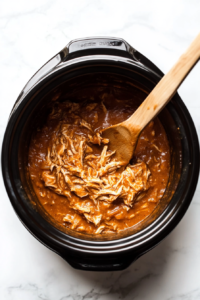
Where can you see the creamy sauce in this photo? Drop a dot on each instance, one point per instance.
(77, 178)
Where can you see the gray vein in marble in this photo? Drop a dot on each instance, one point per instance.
(30, 288)
(194, 295)
(115, 290)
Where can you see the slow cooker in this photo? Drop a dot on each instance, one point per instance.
(94, 63)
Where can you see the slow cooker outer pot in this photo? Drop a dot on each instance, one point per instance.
(90, 254)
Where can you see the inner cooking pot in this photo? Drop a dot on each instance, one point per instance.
(82, 68)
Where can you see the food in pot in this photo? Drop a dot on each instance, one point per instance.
(80, 182)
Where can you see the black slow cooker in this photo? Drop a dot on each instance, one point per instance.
(97, 63)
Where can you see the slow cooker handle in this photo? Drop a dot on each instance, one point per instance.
(98, 44)
(89, 263)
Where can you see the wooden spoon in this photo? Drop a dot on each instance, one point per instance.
(124, 136)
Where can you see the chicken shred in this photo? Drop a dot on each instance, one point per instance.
(88, 180)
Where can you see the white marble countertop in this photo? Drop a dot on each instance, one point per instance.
(31, 32)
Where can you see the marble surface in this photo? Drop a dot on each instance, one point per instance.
(31, 32)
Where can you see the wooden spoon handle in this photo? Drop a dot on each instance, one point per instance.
(165, 89)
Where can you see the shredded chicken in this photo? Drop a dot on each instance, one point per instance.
(88, 179)
(86, 125)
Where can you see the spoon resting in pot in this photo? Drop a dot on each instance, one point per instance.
(123, 137)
